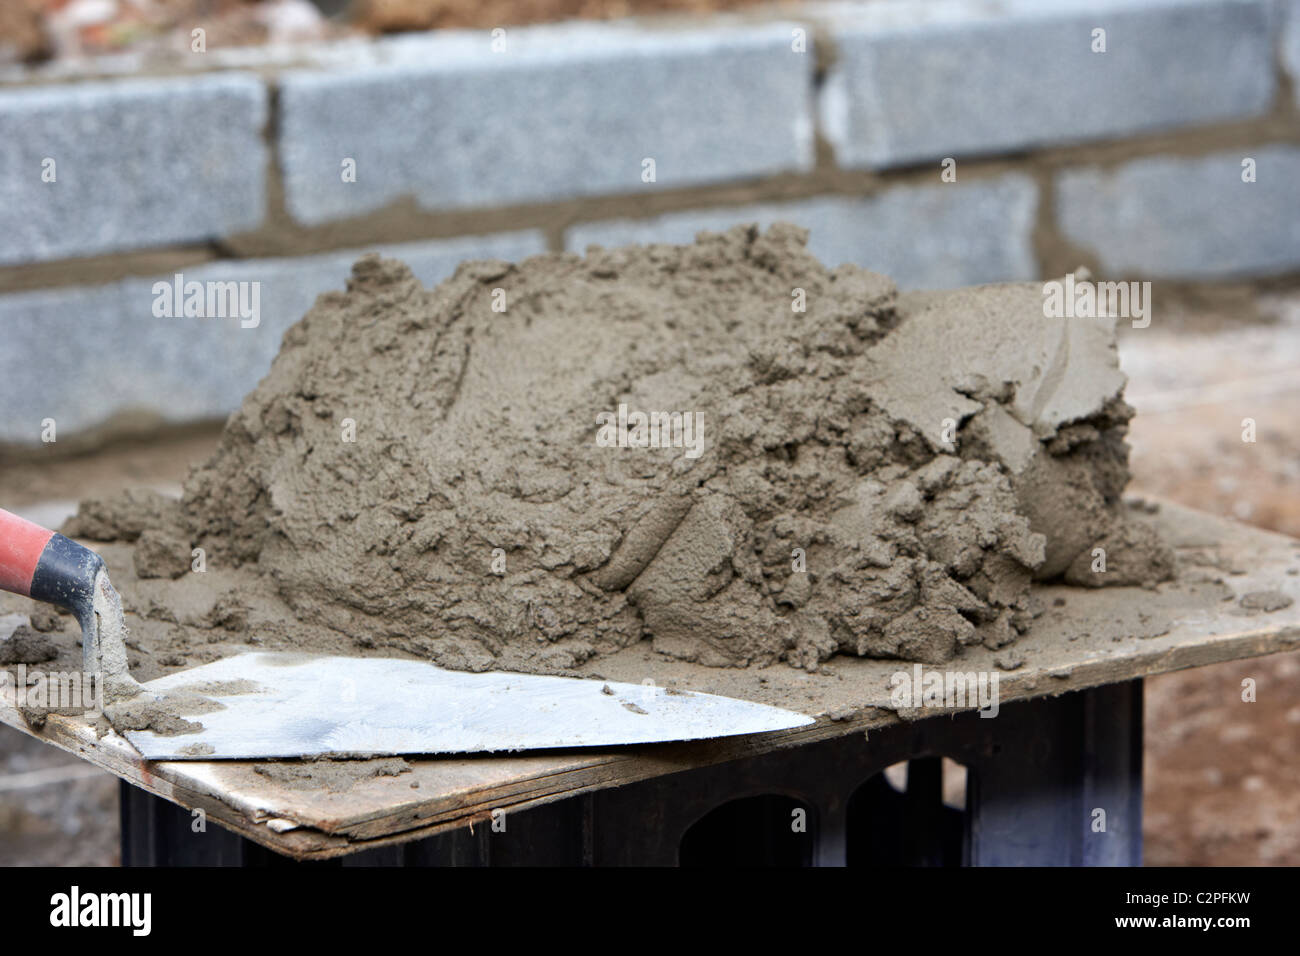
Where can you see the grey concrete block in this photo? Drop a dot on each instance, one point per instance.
(566, 111)
(137, 163)
(1290, 44)
(918, 82)
(1187, 217)
(107, 341)
(939, 236)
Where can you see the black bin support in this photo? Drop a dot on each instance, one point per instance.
(1054, 781)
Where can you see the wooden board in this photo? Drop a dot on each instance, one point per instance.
(1083, 638)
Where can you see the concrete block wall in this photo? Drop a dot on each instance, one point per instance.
(104, 167)
(177, 368)
(980, 79)
(923, 236)
(1187, 217)
(573, 112)
(236, 165)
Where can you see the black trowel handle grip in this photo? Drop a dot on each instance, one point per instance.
(46, 566)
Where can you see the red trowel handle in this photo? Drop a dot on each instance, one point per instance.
(44, 565)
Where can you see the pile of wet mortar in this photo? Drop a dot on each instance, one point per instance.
(446, 473)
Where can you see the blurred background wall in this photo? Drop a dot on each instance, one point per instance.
(944, 143)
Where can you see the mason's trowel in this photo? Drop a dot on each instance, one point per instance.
(265, 705)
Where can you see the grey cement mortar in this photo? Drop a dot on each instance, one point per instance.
(477, 522)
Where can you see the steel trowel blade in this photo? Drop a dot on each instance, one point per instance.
(295, 705)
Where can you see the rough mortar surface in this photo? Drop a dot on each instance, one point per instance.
(878, 475)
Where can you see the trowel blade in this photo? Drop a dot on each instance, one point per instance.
(296, 705)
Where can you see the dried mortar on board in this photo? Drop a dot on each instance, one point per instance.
(423, 473)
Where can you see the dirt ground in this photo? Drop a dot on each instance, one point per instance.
(1222, 775)
(35, 30)
(390, 15)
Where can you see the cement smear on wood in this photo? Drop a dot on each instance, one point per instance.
(880, 475)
